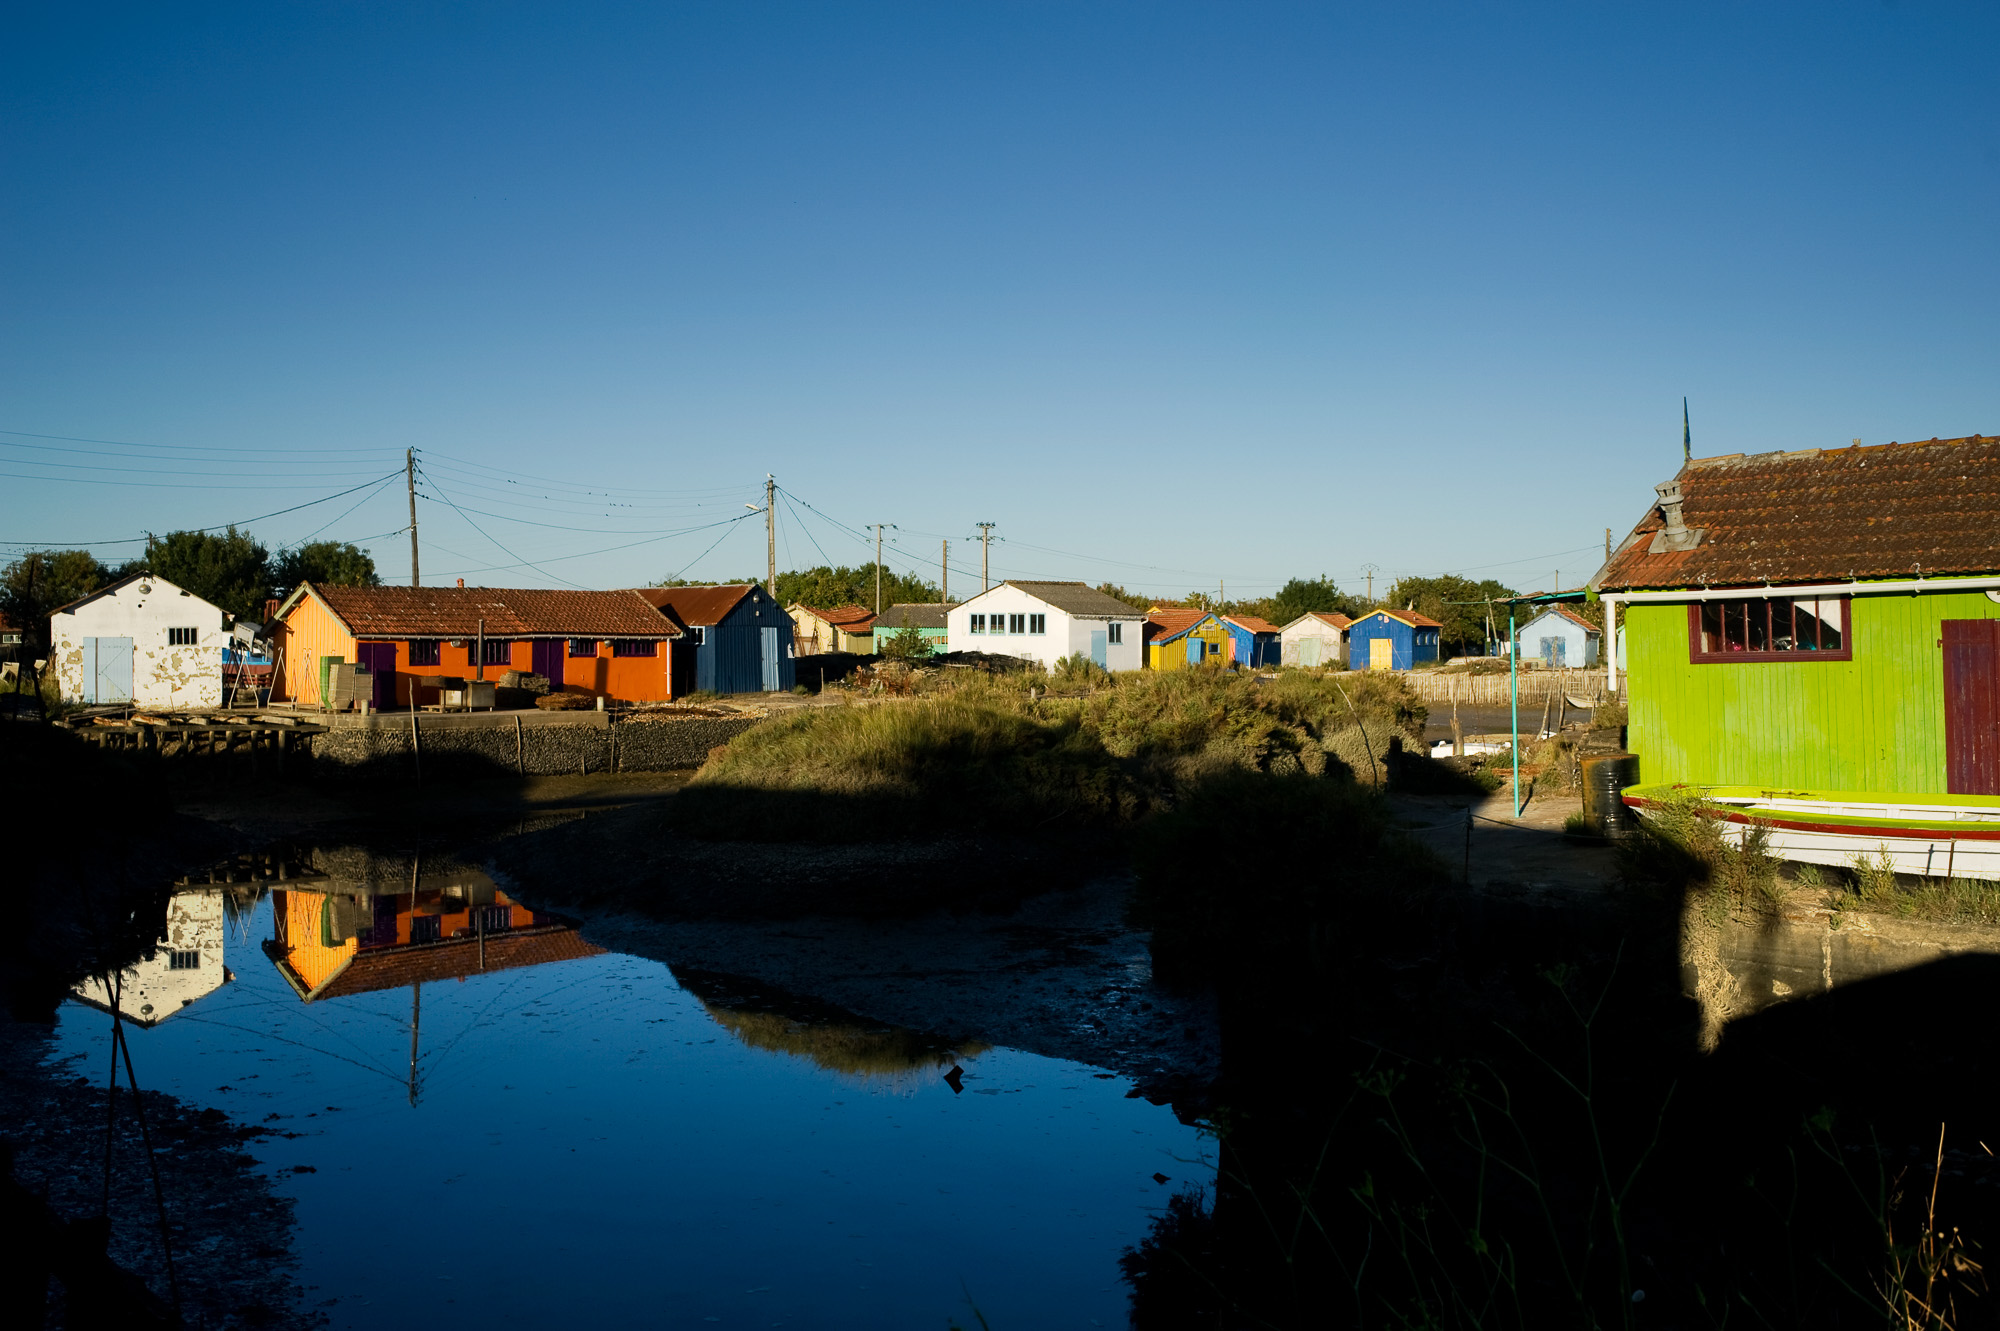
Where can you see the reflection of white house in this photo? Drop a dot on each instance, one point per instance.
(140, 640)
(1046, 621)
(187, 964)
(1316, 638)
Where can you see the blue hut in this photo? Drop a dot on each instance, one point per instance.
(1392, 640)
(1253, 642)
(1561, 637)
(741, 639)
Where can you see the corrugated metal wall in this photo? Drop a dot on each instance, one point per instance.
(1873, 723)
(732, 660)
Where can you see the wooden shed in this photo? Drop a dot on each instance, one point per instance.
(605, 644)
(1253, 642)
(1392, 640)
(1176, 638)
(1560, 638)
(741, 638)
(845, 628)
(1316, 638)
(1820, 619)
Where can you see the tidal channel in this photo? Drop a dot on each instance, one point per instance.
(486, 1120)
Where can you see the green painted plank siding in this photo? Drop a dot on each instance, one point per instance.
(1873, 723)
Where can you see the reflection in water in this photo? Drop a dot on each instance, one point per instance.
(765, 1017)
(185, 966)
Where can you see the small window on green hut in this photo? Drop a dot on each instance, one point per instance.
(1771, 628)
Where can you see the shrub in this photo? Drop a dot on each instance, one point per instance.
(1684, 845)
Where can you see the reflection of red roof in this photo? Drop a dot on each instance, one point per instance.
(697, 605)
(510, 612)
(1254, 624)
(400, 967)
(1821, 514)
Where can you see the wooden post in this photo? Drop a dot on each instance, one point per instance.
(1457, 735)
(520, 766)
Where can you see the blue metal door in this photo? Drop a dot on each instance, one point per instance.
(110, 662)
(768, 642)
(1097, 646)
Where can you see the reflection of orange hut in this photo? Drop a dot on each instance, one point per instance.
(329, 943)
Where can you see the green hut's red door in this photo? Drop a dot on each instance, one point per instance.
(1972, 706)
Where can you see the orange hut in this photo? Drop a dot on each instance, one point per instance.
(603, 644)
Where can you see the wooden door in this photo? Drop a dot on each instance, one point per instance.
(110, 669)
(1972, 706)
(1097, 647)
(545, 658)
(1381, 654)
(380, 660)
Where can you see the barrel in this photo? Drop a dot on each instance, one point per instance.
(1605, 776)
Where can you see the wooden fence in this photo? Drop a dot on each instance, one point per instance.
(1436, 686)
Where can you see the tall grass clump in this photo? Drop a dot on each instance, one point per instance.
(1686, 844)
(1874, 886)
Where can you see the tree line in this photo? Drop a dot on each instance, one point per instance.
(230, 569)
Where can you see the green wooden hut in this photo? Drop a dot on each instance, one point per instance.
(1818, 619)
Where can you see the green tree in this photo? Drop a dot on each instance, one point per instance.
(825, 587)
(329, 563)
(1133, 599)
(1302, 596)
(907, 643)
(1457, 603)
(232, 569)
(42, 581)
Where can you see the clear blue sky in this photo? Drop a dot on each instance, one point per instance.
(1181, 292)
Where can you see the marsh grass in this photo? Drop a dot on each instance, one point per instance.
(981, 752)
(1687, 845)
(1875, 887)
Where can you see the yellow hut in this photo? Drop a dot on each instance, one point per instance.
(1176, 639)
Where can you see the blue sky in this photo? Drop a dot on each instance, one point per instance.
(1172, 294)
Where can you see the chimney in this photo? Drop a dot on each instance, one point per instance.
(1678, 535)
(461, 582)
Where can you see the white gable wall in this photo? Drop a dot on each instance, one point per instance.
(1579, 644)
(1063, 635)
(1332, 649)
(139, 614)
(156, 988)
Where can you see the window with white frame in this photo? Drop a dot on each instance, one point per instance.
(1114, 633)
(1038, 624)
(182, 637)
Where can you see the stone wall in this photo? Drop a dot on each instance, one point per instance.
(592, 743)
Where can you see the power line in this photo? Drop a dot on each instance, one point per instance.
(200, 448)
(503, 549)
(137, 540)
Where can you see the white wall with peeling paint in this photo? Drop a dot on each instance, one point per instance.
(143, 609)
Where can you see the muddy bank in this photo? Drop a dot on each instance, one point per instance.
(232, 1234)
(1061, 975)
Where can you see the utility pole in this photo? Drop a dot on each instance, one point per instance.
(985, 537)
(944, 572)
(1607, 545)
(878, 526)
(771, 534)
(410, 480)
(1371, 570)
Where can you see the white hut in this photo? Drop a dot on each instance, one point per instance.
(185, 966)
(1046, 621)
(140, 640)
(1316, 638)
(1560, 637)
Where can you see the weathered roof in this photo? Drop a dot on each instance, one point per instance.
(921, 615)
(1077, 598)
(1252, 623)
(1820, 514)
(1164, 625)
(509, 612)
(1410, 617)
(400, 967)
(1331, 618)
(697, 605)
(126, 581)
(1571, 615)
(851, 618)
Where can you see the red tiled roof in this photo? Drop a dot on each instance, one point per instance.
(1573, 617)
(400, 967)
(1254, 624)
(1165, 624)
(697, 605)
(512, 612)
(1824, 514)
(1410, 617)
(852, 618)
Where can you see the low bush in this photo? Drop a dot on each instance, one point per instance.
(1686, 844)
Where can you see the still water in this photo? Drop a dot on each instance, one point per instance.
(506, 1126)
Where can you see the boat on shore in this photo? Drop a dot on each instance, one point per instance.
(1934, 836)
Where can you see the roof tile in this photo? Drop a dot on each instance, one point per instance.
(511, 612)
